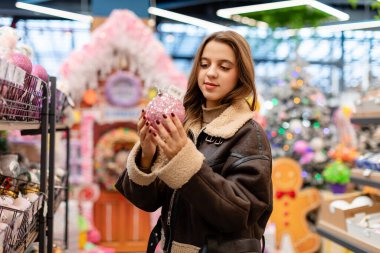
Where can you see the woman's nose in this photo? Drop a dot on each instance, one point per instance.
(211, 71)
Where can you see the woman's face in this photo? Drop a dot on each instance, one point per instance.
(218, 72)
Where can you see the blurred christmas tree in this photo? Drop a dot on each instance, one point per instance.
(299, 123)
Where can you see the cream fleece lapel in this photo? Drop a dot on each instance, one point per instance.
(228, 123)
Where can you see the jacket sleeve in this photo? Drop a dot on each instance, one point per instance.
(182, 167)
(144, 190)
(242, 195)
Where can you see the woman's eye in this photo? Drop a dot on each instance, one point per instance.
(224, 68)
(203, 65)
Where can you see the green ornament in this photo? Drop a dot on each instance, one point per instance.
(337, 173)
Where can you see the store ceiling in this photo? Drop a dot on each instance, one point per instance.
(203, 9)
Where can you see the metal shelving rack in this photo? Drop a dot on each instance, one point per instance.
(40, 128)
(372, 179)
(49, 126)
(366, 120)
(340, 236)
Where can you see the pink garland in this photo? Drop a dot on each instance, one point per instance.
(126, 34)
(87, 146)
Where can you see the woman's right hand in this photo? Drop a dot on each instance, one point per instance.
(148, 147)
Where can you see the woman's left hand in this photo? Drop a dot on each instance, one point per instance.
(170, 136)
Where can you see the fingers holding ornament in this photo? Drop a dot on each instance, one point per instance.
(170, 146)
(168, 149)
(167, 130)
(163, 133)
(178, 124)
(171, 127)
(143, 131)
(141, 122)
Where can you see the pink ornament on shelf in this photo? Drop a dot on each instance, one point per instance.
(22, 61)
(300, 147)
(40, 72)
(306, 158)
(164, 104)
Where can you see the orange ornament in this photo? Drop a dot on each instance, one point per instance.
(90, 97)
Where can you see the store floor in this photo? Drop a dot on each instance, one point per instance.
(59, 226)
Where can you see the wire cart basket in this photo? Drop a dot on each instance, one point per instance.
(21, 102)
(22, 226)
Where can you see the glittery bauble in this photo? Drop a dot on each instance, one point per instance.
(22, 61)
(40, 72)
(164, 104)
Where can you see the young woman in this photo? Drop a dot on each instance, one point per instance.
(212, 176)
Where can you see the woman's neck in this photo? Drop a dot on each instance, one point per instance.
(209, 114)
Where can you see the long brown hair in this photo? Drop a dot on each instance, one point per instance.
(246, 76)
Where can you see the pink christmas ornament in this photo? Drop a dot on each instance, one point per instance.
(40, 72)
(300, 147)
(164, 104)
(22, 61)
(93, 235)
(306, 158)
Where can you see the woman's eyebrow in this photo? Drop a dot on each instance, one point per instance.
(227, 61)
(221, 60)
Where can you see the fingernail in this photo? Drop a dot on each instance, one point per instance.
(164, 115)
(154, 134)
(150, 131)
(143, 110)
(147, 123)
(157, 122)
(144, 117)
(173, 115)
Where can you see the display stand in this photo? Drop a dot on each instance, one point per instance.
(366, 120)
(344, 239)
(40, 127)
(360, 177)
(64, 190)
(46, 128)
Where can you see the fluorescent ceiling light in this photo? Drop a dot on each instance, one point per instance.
(229, 12)
(186, 19)
(350, 26)
(333, 28)
(54, 12)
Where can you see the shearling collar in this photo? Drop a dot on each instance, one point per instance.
(228, 122)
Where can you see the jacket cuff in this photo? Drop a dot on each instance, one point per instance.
(135, 174)
(182, 167)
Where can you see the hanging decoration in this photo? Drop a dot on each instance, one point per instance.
(122, 41)
(87, 146)
(123, 89)
(90, 97)
(111, 153)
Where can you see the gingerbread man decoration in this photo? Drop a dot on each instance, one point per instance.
(291, 206)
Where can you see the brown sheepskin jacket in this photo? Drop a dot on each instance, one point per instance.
(216, 193)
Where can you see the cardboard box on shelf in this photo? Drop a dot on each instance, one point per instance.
(337, 217)
(367, 231)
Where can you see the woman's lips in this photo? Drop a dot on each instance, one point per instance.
(210, 86)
